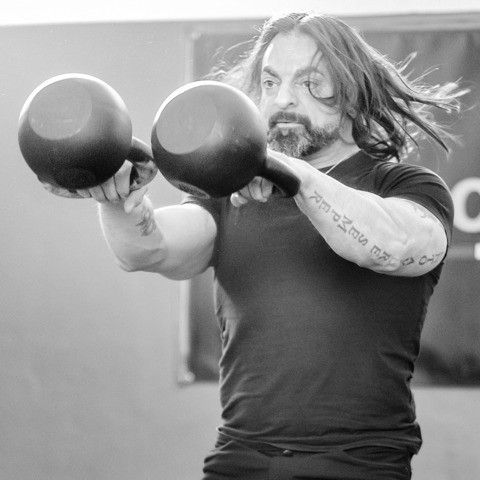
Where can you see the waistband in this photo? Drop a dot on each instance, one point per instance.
(280, 448)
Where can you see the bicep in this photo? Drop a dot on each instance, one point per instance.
(189, 233)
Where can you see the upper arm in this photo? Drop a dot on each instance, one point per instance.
(420, 204)
(189, 233)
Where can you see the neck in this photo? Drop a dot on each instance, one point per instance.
(332, 155)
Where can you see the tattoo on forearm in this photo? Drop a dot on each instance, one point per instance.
(147, 224)
(425, 259)
(348, 227)
(342, 221)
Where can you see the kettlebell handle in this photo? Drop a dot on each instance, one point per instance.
(282, 176)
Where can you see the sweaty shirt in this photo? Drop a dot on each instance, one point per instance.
(317, 351)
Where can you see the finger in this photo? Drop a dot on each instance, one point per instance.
(98, 194)
(109, 189)
(266, 187)
(122, 179)
(134, 199)
(116, 188)
(237, 199)
(254, 189)
(84, 193)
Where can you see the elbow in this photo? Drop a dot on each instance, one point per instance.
(174, 273)
(140, 261)
(127, 266)
(390, 259)
(171, 270)
(398, 252)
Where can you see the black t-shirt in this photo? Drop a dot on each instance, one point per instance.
(318, 351)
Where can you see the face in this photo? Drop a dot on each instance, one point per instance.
(295, 93)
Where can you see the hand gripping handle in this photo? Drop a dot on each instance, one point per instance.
(143, 171)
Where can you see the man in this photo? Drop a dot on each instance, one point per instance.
(321, 298)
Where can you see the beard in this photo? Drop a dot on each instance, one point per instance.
(299, 141)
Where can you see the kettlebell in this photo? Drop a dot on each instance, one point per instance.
(208, 139)
(75, 133)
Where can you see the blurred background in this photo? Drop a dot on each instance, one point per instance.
(112, 375)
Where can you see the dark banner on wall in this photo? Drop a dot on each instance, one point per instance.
(450, 351)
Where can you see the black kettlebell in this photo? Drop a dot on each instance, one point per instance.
(75, 133)
(208, 139)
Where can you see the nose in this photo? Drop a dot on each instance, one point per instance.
(285, 97)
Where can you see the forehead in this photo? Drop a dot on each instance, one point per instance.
(291, 52)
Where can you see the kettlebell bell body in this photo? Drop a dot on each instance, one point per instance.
(75, 133)
(209, 139)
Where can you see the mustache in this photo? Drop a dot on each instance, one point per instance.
(289, 117)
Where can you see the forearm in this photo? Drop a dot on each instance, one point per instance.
(135, 239)
(391, 236)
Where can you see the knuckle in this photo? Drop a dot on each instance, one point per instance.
(267, 188)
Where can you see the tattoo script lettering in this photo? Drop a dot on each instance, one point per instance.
(147, 223)
(348, 227)
(344, 223)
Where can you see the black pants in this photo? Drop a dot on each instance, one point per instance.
(232, 459)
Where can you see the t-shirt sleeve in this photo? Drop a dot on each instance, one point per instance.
(420, 185)
(209, 204)
(213, 206)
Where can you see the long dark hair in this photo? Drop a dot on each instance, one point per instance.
(388, 110)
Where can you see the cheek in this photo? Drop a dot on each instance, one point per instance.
(323, 115)
(265, 108)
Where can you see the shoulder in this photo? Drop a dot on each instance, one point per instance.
(387, 178)
(390, 175)
(418, 184)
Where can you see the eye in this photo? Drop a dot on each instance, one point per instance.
(318, 88)
(268, 83)
(311, 84)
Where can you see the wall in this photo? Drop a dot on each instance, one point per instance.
(88, 353)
